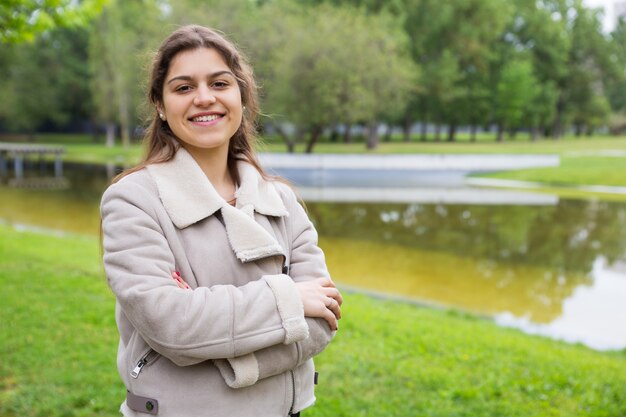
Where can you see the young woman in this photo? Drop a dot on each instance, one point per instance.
(223, 296)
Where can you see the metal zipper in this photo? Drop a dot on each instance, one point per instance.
(143, 361)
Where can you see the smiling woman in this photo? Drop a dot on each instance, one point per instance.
(223, 296)
(202, 106)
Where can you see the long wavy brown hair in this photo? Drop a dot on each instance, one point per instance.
(160, 142)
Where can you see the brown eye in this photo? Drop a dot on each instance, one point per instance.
(182, 88)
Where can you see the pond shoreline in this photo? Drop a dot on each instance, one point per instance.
(345, 287)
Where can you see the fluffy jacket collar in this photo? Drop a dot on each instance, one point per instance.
(188, 197)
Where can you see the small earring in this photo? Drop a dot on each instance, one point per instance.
(162, 116)
(244, 108)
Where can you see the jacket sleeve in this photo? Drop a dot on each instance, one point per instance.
(307, 262)
(187, 326)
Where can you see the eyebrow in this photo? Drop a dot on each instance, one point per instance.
(213, 75)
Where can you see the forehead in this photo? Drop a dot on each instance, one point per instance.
(198, 61)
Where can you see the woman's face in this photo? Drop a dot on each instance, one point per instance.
(201, 100)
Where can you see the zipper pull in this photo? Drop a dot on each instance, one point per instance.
(135, 372)
(142, 362)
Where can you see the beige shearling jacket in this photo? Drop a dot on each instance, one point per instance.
(237, 343)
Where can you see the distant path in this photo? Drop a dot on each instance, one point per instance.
(421, 162)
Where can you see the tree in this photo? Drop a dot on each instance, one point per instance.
(617, 90)
(589, 64)
(451, 40)
(45, 82)
(337, 65)
(516, 90)
(616, 86)
(119, 45)
(537, 30)
(23, 20)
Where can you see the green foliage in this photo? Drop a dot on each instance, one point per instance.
(329, 63)
(59, 344)
(45, 81)
(23, 20)
(515, 92)
(339, 65)
(119, 57)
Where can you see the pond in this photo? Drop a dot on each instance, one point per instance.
(544, 265)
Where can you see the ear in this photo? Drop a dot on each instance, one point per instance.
(160, 111)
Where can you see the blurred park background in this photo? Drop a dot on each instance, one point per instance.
(464, 162)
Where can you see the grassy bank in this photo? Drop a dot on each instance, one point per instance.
(584, 161)
(58, 343)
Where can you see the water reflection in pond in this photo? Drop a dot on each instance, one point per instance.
(527, 261)
(73, 209)
(556, 269)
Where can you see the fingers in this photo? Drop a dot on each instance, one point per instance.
(334, 297)
(331, 319)
(321, 299)
(333, 306)
(326, 282)
(335, 294)
(179, 281)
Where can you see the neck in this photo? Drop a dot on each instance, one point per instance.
(214, 164)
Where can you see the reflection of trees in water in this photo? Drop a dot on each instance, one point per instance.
(542, 251)
(73, 209)
(565, 237)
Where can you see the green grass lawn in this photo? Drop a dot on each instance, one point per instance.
(574, 171)
(58, 343)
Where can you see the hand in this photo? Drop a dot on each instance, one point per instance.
(179, 281)
(322, 299)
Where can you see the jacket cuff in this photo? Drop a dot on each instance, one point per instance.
(289, 307)
(239, 372)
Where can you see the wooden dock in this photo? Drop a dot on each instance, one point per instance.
(18, 152)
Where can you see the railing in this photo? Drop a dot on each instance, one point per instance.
(18, 152)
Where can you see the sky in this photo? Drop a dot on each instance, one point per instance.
(609, 19)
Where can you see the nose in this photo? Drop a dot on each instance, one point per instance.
(204, 96)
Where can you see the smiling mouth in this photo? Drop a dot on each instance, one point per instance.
(206, 118)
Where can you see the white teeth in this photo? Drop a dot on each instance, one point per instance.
(206, 118)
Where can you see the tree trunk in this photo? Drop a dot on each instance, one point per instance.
(315, 134)
(372, 135)
(110, 134)
(578, 129)
(424, 131)
(387, 137)
(437, 132)
(347, 134)
(534, 133)
(124, 116)
(557, 127)
(406, 128)
(95, 132)
(291, 145)
(334, 135)
(473, 130)
(500, 136)
(451, 132)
